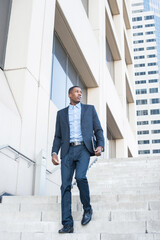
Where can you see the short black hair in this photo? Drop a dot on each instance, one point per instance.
(70, 89)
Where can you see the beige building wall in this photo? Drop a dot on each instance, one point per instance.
(28, 121)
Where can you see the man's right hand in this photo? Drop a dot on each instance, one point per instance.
(55, 159)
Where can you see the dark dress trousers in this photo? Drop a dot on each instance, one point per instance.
(76, 158)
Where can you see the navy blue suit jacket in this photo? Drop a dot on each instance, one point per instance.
(90, 126)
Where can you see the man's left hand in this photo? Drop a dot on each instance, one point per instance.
(98, 151)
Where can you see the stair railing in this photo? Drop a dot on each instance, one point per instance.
(40, 167)
(20, 155)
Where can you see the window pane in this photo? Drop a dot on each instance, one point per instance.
(156, 151)
(155, 122)
(64, 76)
(143, 142)
(59, 76)
(142, 122)
(109, 60)
(84, 91)
(71, 79)
(143, 151)
(5, 9)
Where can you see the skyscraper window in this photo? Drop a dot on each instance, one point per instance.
(142, 122)
(140, 82)
(149, 17)
(136, 19)
(143, 142)
(155, 111)
(153, 90)
(144, 152)
(155, 100)
(141, 91)
(141, 101)
(139, 57)
(142, 112)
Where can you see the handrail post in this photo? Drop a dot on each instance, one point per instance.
(40, 174)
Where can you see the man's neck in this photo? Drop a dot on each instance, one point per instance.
(72, 103)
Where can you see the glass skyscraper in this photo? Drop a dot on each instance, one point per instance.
(146, 77)
(154, 5)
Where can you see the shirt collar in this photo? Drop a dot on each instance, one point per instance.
(78, 105)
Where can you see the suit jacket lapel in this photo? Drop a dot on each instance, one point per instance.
(82, 111)
(66, 116)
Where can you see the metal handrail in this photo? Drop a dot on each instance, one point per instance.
(17, 152)
(30, 161)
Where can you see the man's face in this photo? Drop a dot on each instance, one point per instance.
(75, 95)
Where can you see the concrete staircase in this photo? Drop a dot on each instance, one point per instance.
(125, 196)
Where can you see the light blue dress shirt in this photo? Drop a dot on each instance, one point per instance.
(75, 123)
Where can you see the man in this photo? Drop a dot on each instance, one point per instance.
(76, 126)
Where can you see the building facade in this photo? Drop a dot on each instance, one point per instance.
(44, 53)
(146, 79)
(154, 5)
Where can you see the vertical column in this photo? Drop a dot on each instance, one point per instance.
(40, 174)
(120, 81)
(28, 69)
(97, 95)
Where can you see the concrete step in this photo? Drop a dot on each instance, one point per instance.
(16, 200)
(34, 207)
(124, 171)
(77, 216)
(11, 207)
(135, 215)
(47, 236)
(98, 226)
(111, 178)
(107, 205)
(110, 215)
(138, 160)
(138, 197)
(48, 216)
(126, 206)
(131, 159)
(22, 216)
(10, 235)
(145, 178)
(151, 236)
(30, 199)
(125, 184)
(123, 167)
(123, 162)
(76, 236)
(119, 190)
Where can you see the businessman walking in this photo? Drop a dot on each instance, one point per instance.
(76, 125)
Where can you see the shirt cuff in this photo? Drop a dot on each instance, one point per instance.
(54, 153)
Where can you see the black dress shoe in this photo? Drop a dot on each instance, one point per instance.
(66, 229)
(86, 217)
